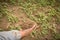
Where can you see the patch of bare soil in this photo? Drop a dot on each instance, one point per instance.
(4, 23)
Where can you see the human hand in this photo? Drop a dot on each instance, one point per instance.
(35, 26)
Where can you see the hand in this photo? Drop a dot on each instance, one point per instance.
(35, 26)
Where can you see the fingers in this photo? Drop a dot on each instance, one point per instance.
(34, 25)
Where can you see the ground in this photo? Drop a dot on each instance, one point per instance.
(25, 22)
